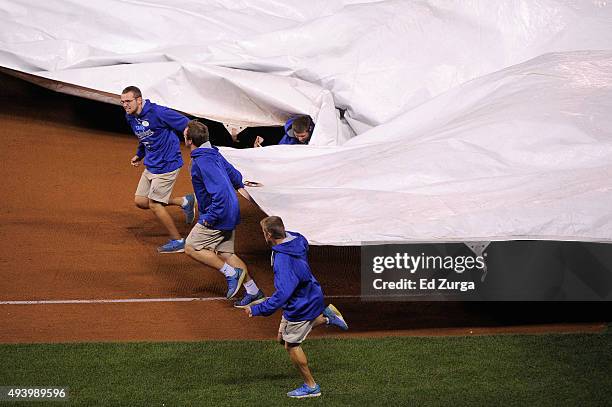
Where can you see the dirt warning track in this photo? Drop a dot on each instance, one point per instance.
(71, 235)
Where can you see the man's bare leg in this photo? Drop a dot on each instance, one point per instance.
(298, 357)
(162, 214)
(320, 320)
(159, 209)
(176, 201)
(204, 256)
(142, 202)
(236, 262)
(216, 261)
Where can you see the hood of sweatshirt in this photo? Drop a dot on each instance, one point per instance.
(204, 151)
(294, 245)
(146, 107)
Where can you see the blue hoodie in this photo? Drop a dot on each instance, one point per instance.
(214, 183)
(155, 128)
(289, 137)
(297, 291)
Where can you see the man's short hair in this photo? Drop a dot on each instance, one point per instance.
(135, 91)
(301, 124)
(274, 225)
(197, 132)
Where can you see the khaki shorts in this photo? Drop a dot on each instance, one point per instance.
(157, 187)
(202, 237)
(295, 332)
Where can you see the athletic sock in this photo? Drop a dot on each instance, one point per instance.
(185, 202)
(327, 319)
(227, 270)
(251, 287)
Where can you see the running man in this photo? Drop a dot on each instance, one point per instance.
(211, 241)
(299, 294)
(155, 127)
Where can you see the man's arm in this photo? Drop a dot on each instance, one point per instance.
(135, 161)
(285, 282)
(234, 175)
(287, 140)
(140, 153)
(173, 119)
(211, 175)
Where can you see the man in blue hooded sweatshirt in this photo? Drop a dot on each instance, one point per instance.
(156, 128)
(211, 240)
(298, 130)
(299, 294)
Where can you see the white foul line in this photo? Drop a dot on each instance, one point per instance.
(132, 300)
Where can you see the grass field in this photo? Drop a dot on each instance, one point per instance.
(542, 370)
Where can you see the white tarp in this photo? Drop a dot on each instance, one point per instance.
(475, 120)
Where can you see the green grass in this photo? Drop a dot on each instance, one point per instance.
(542, 370)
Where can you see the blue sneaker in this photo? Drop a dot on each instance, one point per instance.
(305, 391)
(173, 246)
(335, 317)
(189, 210)
(234, 282)
(249, 299)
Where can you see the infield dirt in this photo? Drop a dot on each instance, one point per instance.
(70, 231)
